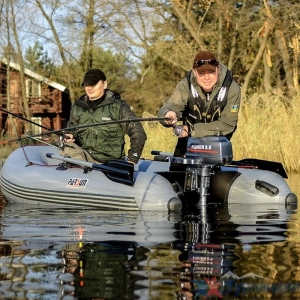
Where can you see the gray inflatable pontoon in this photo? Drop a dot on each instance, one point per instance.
(206, 174)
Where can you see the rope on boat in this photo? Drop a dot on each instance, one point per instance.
(30, 163)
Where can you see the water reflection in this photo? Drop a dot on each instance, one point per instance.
(218, 252)
(102, 269)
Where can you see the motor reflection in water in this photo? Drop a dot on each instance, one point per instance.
(212, 240)
(204, 255)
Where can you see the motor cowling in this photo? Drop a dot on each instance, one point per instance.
(201, 160)
(211, 150)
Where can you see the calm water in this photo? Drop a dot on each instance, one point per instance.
(225, 252)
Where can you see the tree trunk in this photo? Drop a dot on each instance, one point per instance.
(86, 58)
(220, 32)
(267, 86)
(10, 124)
(295, 45)
(282, 47)
(232, 50)
(25, 106)
(265, 32)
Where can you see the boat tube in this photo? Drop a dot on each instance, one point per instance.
(206, 174)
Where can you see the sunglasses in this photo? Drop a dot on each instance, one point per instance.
(202, 62)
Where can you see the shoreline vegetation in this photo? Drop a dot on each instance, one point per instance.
(267, 129)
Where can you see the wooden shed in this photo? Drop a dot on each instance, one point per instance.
(48, 101)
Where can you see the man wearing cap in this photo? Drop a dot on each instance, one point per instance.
(207, 100)
(104, 142)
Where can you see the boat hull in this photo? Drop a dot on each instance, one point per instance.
(30, 176)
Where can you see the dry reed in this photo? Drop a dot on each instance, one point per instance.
(268, 130)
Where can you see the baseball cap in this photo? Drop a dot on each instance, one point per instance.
(93, 76)
(205, 60)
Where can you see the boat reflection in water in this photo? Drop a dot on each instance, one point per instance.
(88, 254)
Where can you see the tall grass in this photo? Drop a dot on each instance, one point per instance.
(158, 138)
(268, 129)
(6, 149)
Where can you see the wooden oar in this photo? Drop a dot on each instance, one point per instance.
(116, 170)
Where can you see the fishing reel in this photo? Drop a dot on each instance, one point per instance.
(63, 138)
(62, 142)
(178, 130)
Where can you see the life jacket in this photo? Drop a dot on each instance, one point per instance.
(197, 112)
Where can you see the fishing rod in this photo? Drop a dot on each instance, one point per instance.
(65, 130)
(73, 128)
(24, 119)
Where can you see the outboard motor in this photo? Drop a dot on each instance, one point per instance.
(203, 156)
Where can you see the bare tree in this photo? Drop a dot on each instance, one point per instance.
(20, 61)
(5, 17)
(12, 48)
(58, 42)
(85, 31)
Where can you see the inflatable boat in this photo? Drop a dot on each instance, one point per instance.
(205, 174)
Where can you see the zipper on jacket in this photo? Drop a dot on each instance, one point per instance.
(209, 104)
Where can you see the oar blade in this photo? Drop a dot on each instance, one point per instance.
(116, 170)
(127, 175)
